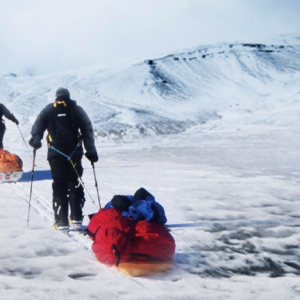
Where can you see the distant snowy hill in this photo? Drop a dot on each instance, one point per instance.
(172, 93)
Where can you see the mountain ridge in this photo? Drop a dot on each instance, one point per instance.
(170, 94)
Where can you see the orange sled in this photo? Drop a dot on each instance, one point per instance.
(135, 269)
(10, 167)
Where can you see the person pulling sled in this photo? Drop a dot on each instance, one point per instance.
(68, 126)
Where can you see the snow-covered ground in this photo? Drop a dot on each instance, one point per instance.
(218, 148)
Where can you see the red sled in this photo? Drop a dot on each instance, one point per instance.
(134, 248)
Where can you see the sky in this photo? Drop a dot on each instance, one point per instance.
(39, 37)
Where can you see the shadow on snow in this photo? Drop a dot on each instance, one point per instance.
(38, 176)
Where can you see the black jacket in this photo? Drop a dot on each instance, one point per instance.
(5, 112)
(67, 124)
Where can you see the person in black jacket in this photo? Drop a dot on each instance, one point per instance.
(5, 112)
(68, 126)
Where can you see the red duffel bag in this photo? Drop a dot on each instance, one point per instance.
(152, 242)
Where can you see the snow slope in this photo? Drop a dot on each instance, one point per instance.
(172, 93)
(212, 133)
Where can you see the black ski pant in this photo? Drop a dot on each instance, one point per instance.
(2, 130)
(67, 190)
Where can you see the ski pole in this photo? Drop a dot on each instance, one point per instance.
(96, 184)
(80, 180)
(24, 141)
(33, 163)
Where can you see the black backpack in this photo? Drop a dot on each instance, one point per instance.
(62, 127)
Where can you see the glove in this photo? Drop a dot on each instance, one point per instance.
(92, 156)
(35, 144)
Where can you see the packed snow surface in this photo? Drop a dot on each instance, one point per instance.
(212, 133)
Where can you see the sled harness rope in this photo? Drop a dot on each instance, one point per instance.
(32, 172)
(74, 167)
(68, 157)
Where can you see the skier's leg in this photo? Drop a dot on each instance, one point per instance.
(76, 200)
(76, 194)
(60, 190)
(60, 208)
(2, 130)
